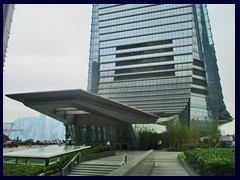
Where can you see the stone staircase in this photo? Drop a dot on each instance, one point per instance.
(92, 169)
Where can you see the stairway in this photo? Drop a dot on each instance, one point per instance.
(92, 169)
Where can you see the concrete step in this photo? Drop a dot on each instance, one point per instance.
(95, 167)
(99, 165)
(88, 173)
(92, 169)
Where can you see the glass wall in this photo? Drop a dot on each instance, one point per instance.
(158, 58)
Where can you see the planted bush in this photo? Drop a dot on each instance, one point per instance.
(36, 170)
(22, 170)
(96, 149)
(212, 162)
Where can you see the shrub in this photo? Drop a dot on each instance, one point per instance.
(182, 156)
(96, 149)
(212, 162)
(22, 170)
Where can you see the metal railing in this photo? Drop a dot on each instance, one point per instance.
(124, 160)
(75, 160)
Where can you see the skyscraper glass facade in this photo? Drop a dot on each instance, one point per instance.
(158, 58)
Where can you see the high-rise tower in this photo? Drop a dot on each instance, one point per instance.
(158, 58)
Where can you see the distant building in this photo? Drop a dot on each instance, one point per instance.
(37, 128)
(8, 10)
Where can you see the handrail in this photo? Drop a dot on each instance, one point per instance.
(76, 159)
(124, 159)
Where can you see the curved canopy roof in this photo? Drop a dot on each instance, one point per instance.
(82, 108)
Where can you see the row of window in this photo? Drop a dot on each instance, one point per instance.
(148, 93)
(198, 63)
(166, 101)
(122, 8)
(199, 87)
(148, 62)
(132, 48)
(183, 66)
(161, 107)
(112, 27)
(185, 51)
(166, 8)
(199, 77)
(153, 98)
(145, 46)
(168, 83)
(199, 91)
(103, 6)
(199, 82)
(144, 69)
(145, 17)
(143, 76)
(199, 72)
(154, 51)
(183, 73)
(145, 91)
(146, 31)
(142, 86)
(142, 39)
(144, 61)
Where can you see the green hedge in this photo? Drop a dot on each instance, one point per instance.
(22, 170)
(97, 149)
(212, 162)
(37, 170)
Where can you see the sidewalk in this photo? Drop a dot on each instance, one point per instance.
(158, 163)
(167, 164)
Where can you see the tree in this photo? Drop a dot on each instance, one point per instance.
(5, 138)
(212, 132)
(183, 136)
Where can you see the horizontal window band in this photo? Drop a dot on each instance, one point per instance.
(144, 13)
(142, 76)
(117, 11)
(153, 43)
(125, 23)
(198, 63)
(144, 69)
(155, 51)
(199, 91)
(114, 38)
(110, 6)
(144, 27)
(144, 61)
(199, 82)
(199, 72)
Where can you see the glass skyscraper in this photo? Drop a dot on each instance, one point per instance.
(158, 58)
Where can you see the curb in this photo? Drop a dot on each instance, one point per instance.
(187, 167)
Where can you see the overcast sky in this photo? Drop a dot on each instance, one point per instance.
(49, 49)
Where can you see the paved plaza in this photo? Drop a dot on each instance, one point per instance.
(162, 163)
(166, 163)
